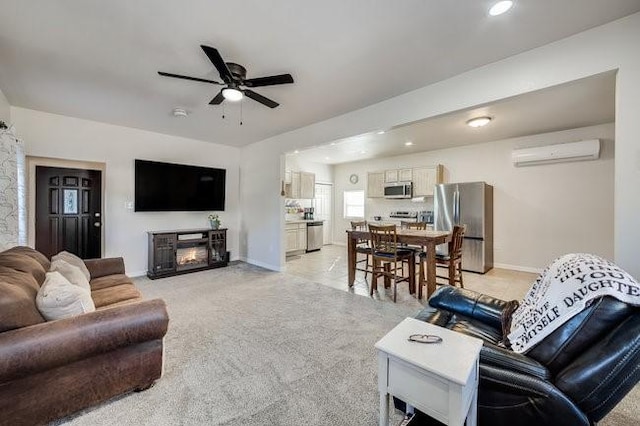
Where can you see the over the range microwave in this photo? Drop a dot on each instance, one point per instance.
(397, 190)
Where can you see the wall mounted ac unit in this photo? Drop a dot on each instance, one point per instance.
(573, 151)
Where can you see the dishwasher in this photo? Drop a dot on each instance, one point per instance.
(314, 236)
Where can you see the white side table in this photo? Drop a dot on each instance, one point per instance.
(440, 379)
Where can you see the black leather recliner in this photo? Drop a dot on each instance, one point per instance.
(575, 376)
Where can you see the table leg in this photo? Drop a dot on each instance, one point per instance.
(412, 275)
(431, 269)
(472, 415)
(384, 409)
(420, 281)
(383, 374)
(351, 259)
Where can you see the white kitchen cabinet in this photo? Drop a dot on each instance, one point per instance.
(291, 238)
(405, 175)
(302, 236)
(391, 176)
(300, 185)
(307, 185)
(375, 184)
(296, 236)
(397, 175)
(424, 179)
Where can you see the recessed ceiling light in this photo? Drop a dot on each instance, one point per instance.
(296, 152)
(380, 132)
(363, 152)
(500, 8)
(408, 143)
(333, 143)
(327, 158)
(479, 121)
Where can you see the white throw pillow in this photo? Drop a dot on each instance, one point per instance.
(58, 298)
(72, 273)
(74, 260)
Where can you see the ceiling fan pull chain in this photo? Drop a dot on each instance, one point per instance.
(241, 112)
(223, 111)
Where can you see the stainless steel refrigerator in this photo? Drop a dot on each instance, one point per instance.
(471, 204)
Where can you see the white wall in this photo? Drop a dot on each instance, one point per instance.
(5, 109)
(57, 136)
(564, 207)
(609, 47)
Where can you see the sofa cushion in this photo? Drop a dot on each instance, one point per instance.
(19, 262)
(110, 295)
(58, 298)
(74, 260)
(72, 273)
(29, 252)
(18, 299)
(109, 281)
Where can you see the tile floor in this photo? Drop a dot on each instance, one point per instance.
(329, 267)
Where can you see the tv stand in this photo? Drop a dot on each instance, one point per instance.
(187, 250)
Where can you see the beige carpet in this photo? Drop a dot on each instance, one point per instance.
(251, 347)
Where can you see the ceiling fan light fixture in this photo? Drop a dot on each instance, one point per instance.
(232, 94)
(500, 7)
(479, 121)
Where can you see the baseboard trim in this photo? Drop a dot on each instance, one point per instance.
(517, 268)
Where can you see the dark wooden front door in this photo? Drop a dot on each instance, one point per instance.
(69, 211)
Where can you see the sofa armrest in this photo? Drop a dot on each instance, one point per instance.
(44, 346)
(500, 357)
(103, 267)
(481, 307)
(507, 397)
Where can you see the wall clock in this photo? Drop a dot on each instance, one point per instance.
(353, 178)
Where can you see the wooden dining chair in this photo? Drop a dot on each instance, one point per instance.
(453, 261)
(422, 226)
(363, 246)
(389, 258)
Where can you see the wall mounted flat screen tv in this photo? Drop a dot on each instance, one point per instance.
(164, 187)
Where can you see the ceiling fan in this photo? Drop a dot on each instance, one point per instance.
(234, 79)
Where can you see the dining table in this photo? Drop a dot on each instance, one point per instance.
(428, 239)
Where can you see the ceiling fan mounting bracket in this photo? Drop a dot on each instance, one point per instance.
(237, 71)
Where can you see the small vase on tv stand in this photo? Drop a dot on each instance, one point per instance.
(215, 224)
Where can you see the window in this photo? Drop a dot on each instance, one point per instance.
(354, 204)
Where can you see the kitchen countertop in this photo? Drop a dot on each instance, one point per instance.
(302, 221)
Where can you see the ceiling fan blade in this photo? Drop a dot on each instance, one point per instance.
(268, 81)
(218, 62)
(186, 77)
(259, 98)
(218, 99)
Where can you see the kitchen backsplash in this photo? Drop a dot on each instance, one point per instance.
(294, 209)
(383, 207)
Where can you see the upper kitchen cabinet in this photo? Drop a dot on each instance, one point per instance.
(300, 185)
(375, 184)
(398, 175)
(424, 180)
(307, 185)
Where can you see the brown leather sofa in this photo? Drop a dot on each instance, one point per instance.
(51, 369)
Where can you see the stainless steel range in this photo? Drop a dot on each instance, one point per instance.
(404, 215)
